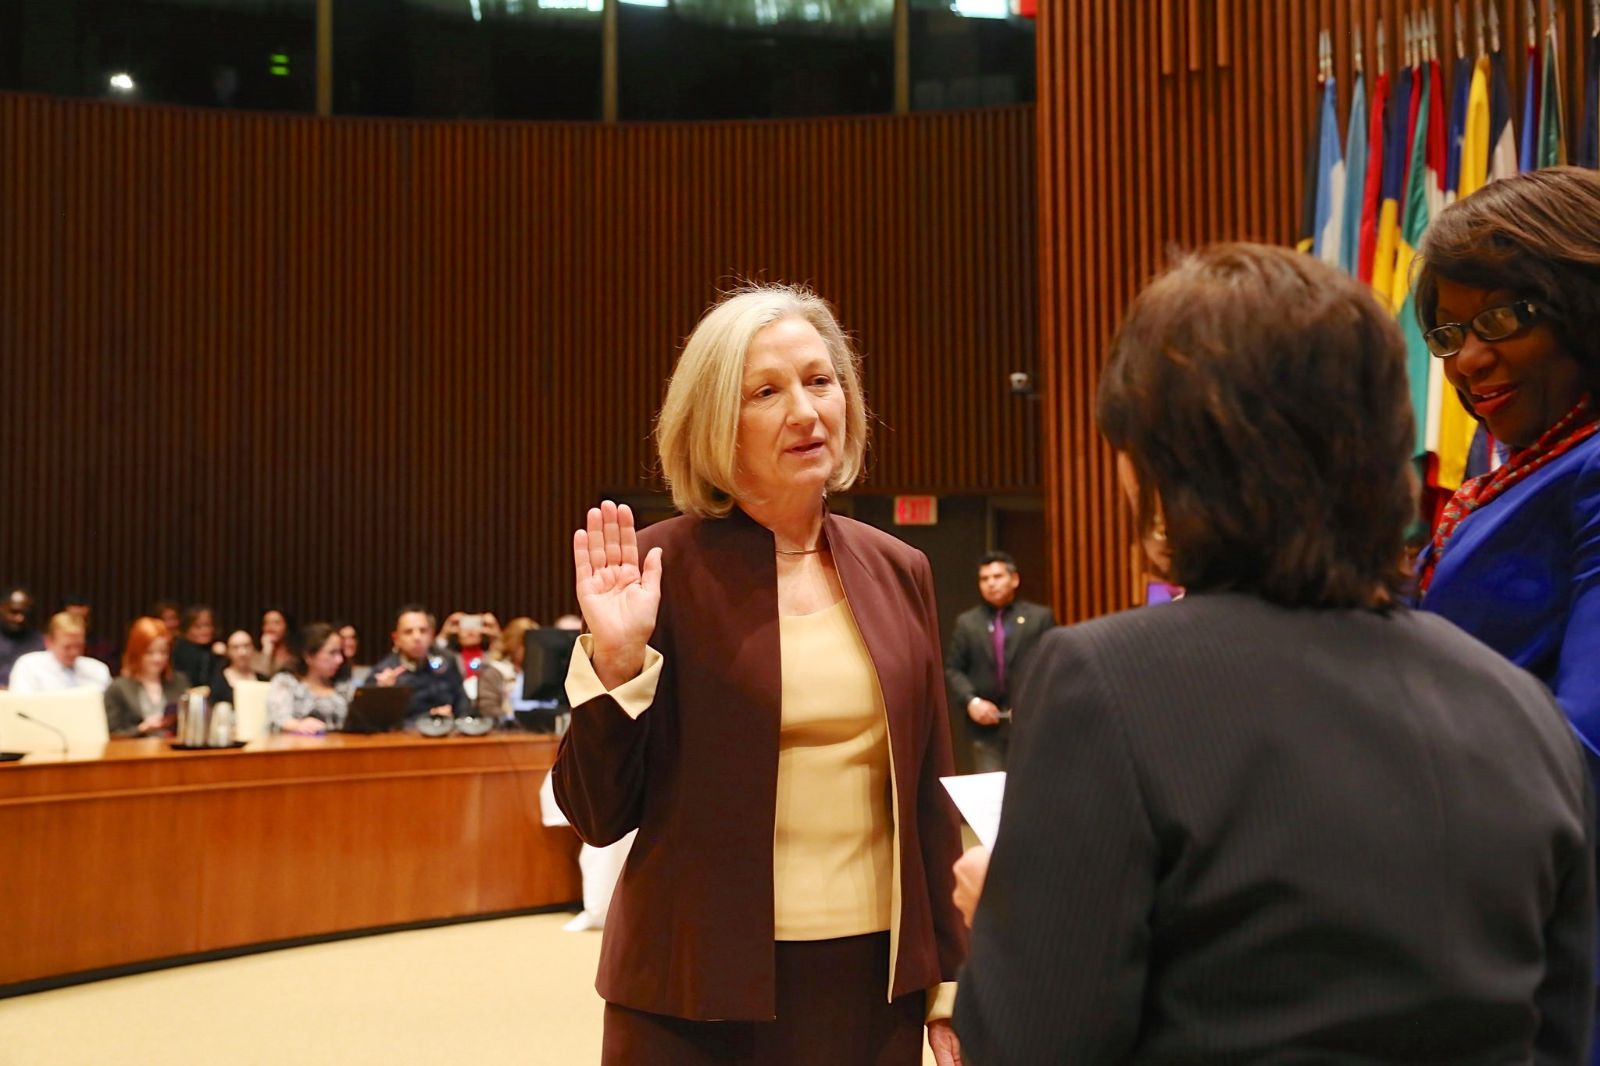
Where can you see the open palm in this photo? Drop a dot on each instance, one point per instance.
(618, 595)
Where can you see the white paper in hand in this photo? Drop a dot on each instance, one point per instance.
(978, 798)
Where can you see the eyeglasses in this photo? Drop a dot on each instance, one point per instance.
(1491, 324)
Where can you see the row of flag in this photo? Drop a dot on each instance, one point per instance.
(1415, 147)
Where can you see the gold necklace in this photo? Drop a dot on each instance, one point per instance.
(801, 551)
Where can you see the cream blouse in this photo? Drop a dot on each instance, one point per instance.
(833, 839)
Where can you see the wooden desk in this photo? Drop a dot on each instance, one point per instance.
(147, 853)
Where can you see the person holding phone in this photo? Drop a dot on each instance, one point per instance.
(143, 701)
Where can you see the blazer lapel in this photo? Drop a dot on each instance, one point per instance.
(881, 630)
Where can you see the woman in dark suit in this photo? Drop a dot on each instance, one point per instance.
(760, 694)
(1286, 819)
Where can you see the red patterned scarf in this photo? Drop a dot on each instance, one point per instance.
(1576, 426)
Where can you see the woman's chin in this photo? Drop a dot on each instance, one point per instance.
(811, 478)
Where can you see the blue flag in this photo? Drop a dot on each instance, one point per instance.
(1330, 180)
(1355, 178)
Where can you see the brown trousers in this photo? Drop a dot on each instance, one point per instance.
(831, 1012)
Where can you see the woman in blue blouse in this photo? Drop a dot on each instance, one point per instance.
(1509, 297)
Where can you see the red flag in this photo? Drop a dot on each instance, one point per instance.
(1372, 193)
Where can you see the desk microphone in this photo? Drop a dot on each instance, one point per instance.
(26, 717)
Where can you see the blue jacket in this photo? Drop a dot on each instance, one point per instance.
(1523, 575)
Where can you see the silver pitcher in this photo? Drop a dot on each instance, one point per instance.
(194, 718)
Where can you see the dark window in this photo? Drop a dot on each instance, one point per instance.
(521, 59)
(969, 53)
(217, 53)
(710, 59)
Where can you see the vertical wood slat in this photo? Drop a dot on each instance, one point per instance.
(337, 364)
(1138, 152)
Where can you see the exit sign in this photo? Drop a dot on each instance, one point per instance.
(916, 510)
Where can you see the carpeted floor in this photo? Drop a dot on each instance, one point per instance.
(513, 991)
(516, 990)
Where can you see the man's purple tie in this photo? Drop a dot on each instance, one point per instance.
(999, 651)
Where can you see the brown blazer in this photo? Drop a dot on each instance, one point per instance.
(690, 929)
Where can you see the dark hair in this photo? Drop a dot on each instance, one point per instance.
(1261, 396)
(410, 608)
(1536, 235)
(161, 607)
(990, 558)
(347, 668)
(291, 636)
(312, 638)
(191, 614)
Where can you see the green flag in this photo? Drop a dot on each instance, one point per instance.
(1552, 134)
(1414, 219)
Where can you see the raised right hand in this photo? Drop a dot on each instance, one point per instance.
(619, 596)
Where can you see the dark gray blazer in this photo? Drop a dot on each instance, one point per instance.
(122, 702)
(1235, 832)
(969, 664)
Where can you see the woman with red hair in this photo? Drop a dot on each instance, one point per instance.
(137, 702)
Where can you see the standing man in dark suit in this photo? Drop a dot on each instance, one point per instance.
(988, 651)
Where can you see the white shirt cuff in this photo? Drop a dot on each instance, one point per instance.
(634, 697)
(941, 1002)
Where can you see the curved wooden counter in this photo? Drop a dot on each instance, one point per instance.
(145, 853)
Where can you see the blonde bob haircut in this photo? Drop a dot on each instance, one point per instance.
(697, 431)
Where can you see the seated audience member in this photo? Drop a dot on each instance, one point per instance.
(433, 679)
(167, 611)
(240, 650)
(138, 701)
(500, 681)
(469, 637)
(1287, 818)
(94, 646)
(17, 637)
(195, 653)
(63, 664)
(304, 699)
(462, 636)
(351, 675)
(277, 649)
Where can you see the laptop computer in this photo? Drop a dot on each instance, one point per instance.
(378, 710)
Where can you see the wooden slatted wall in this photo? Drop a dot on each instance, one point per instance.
(1170, 123)
(336, 365)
